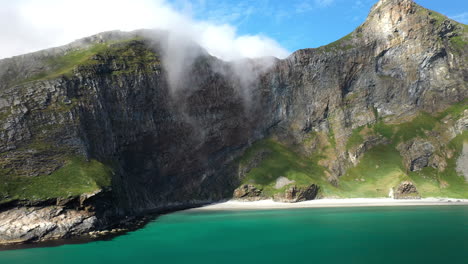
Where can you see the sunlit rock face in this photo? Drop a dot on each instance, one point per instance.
(400, 61)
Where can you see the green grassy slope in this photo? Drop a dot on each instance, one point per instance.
(283, 162)
(380, 169)
(448, 183)
(129, 55)
(76, 177)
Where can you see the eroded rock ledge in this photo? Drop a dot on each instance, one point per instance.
(33, 224)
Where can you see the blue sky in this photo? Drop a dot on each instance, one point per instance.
(225, 28)
(297, 24)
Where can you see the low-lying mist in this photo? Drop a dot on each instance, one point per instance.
(41, 24)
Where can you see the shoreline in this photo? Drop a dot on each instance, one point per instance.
(233, 205)
(327, 203)
(121, 227)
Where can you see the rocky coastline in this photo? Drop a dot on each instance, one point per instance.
(47, 225)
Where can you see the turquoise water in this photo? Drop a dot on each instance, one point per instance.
(325, 235)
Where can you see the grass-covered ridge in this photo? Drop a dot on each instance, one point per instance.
(343, 43)
(78, 176)
(64, 65)
(128, 55)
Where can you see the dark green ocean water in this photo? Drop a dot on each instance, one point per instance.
(325, 235)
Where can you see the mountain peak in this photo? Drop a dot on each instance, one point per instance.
(393, 6)
(393, 2)
(398, 19)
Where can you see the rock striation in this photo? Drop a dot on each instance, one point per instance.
(417, 154)
(296, 194)
(248, 192)
(33, 224)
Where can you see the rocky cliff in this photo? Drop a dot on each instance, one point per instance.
(118, 116)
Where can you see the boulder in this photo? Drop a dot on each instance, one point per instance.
(248, 192)
(406, 190)
(296, 194)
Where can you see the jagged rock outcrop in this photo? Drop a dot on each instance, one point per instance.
(29, 221)
(461, 124)
(248, 192)
(406, 190)
(120, 117)
(417, 154)
(296, 194)
(32, 224)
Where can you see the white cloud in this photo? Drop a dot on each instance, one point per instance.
(463, 18)
(39, 24)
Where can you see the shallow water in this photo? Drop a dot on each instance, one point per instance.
(436, 234)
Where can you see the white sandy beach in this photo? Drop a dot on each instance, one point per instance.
(355, 202)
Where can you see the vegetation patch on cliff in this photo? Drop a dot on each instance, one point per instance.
(63, 65)
(455, 111)
(128, 56)
(381, 167)
(356, 138)
(379, 170)
(438, 18)
(419, 125)
(343, 43)
(78, 176)
(459, 42)
(5, 113)
(447, 183)
(133, 55)
(281, 161)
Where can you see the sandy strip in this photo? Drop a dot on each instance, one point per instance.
(357, 202)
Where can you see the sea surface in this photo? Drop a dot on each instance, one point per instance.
(436, 234)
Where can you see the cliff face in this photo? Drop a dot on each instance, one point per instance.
(106, 113)
(404, 59)
(160, 144)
